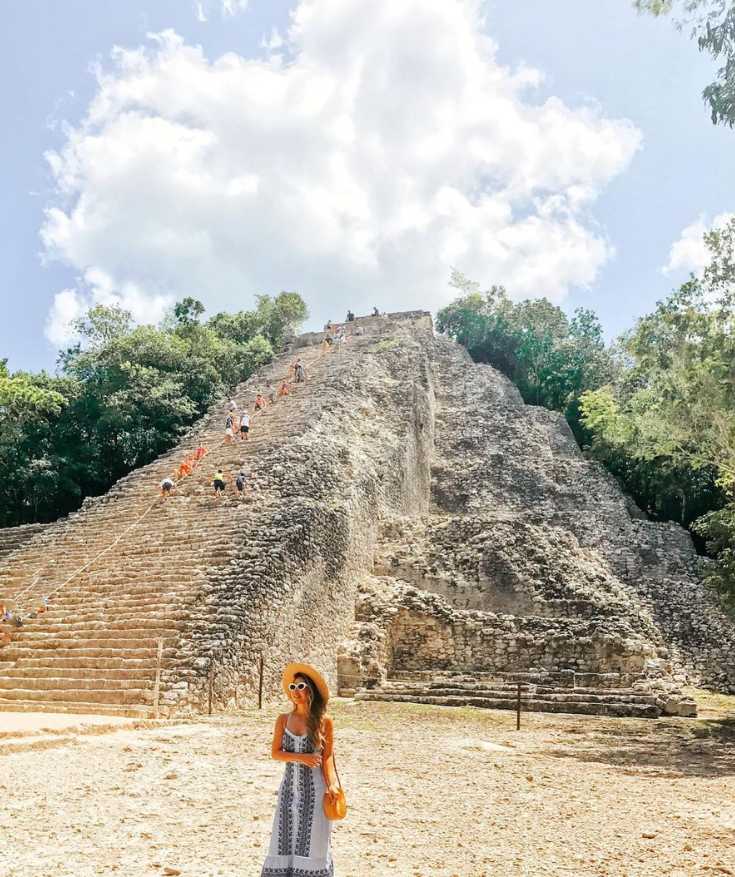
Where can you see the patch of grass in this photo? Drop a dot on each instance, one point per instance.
(713, 700)
(385, 344)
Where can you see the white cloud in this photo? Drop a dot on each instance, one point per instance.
(227, 8)
(689, 252)
(389, 148)
(68, 306)
(234, 7)
(98, 288)
(274, 41)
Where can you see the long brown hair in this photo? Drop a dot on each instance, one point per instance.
(317, 711)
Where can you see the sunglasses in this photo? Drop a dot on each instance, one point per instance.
(297, 686)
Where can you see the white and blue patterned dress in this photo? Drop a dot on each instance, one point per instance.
(299, 845)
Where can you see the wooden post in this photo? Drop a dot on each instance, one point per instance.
(518, 708)
(260, 682)
(157, 686)
(211, 683)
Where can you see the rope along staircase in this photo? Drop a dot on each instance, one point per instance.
(119, 587)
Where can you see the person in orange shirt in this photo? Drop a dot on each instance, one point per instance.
(260, 402)
(199, 453)
(185, 469)
(283, 389)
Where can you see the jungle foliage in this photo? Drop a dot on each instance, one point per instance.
(711, 24)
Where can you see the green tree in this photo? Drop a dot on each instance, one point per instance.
(188, 310)
(549, 357)
(673, 406)
(712, 25)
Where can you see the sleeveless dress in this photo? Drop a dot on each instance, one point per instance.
(299, 844)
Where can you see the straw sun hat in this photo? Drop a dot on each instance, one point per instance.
(316, 677)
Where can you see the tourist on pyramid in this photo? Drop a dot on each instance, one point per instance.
(167, 485)
(270, 394)
(232, 406)
(228, 429)
(218, 483)
(283, 389)
(200, 452)
(259, 402)
(244, 424)
(300, 372)
(310, 795)
(185, 469)
(350, 316)
(240, 482)
(376, 312)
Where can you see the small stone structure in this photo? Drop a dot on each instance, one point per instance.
(413, 521)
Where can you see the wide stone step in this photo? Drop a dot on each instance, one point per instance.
(19, 652)
(141, 674)
(552, 694)
(100, 628)
(527, 704)
(58, 706)
(76, 683)
(119, 696)
(133, 594)
(118, 636)
(80, 665)
(158, 617)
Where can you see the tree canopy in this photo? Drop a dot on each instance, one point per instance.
(712, 25)
(550, 357)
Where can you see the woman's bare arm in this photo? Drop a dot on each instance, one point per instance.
(310, 759)
(330, 775)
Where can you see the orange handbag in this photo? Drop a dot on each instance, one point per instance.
(335, 806)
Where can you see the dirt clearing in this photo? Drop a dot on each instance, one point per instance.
(432, 791)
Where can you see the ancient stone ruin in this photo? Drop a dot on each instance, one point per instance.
(414, 529)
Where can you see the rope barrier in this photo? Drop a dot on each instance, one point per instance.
(97, 556)
(33, 583)
(193, 462)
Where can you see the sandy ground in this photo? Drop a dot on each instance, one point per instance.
(432, 791)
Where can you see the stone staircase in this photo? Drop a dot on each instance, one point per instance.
(539, 693)
(112, 629)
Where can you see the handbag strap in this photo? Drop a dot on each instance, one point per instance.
(335, 769)
(324, 770)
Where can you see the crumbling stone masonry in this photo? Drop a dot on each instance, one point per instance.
(413, 521)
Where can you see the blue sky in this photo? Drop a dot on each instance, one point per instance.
(338, 178)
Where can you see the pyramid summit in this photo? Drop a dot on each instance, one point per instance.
(409, 526)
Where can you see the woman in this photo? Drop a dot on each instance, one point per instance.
(303, 738)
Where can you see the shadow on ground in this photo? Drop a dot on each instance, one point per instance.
(696, 748)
